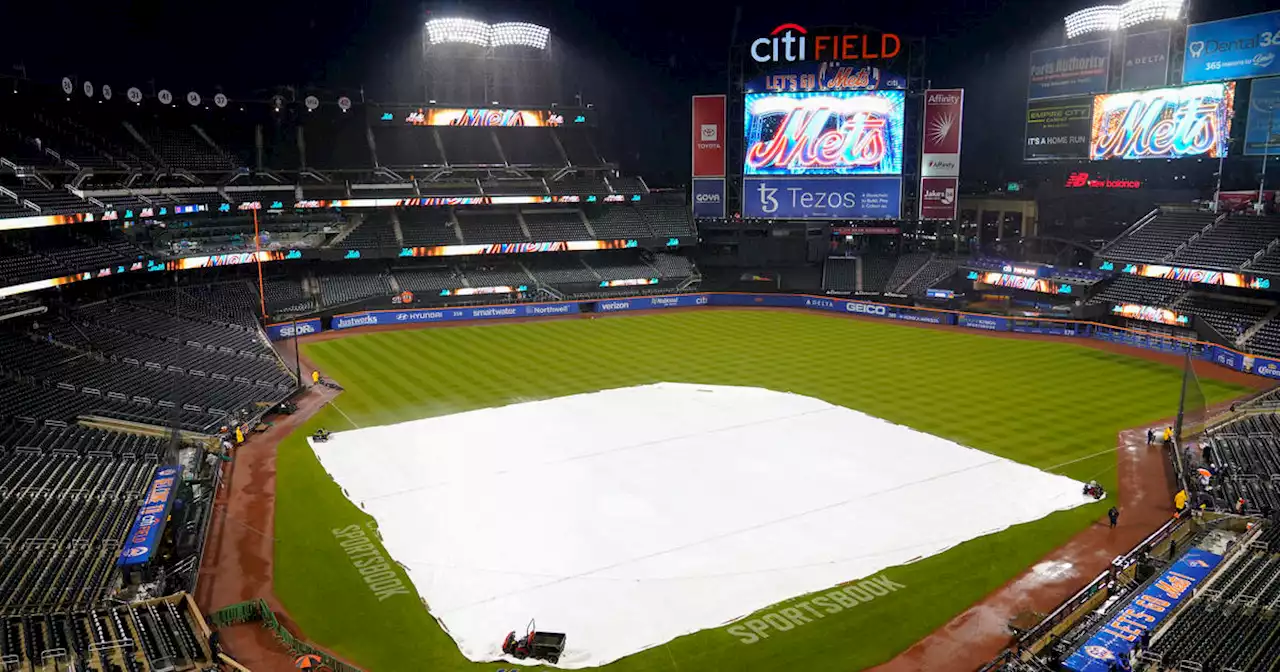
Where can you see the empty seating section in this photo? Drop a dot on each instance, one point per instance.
(627, 185)
(578, 147)
(176, 142)
(490, 227)
(555, 225)
(579, 186)
(567, 271)
(497, 276)
(1266, 340)
(286, 297)
(529, 146)
(840, 274)
(668, 220)
(620, 222)
(376, 231)
(336, 141)
(1230, 318)
(428, 281)
(1156, 240)
(43, 254)
(468, 146)
(1230, 243)
(407, 146)
(1142, 291)
(623, 271)
(876, 271)
(514, 187)
(336, 290)
(671, 266)
(427, 227)
(906, 267)
(934, 271)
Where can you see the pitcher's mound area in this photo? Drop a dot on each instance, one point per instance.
(629, 517)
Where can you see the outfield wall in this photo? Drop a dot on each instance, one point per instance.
(1209, 352)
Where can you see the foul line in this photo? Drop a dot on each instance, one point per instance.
(1082, 459)
(353, 422)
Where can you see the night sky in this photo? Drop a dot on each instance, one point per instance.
(637, 61)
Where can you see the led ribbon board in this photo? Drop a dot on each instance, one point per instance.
(1151, 314)
(1168, 123)
(833, 133)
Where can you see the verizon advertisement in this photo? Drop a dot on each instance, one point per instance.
(939, 197)
(708, 136)
(943, 115)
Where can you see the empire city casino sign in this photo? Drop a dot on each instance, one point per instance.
(790, 42)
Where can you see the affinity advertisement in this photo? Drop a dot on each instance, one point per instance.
(833, 133)
(1238, 48)
(708, 197)
(144, 536)
(943, 118)
(1144, 613)
(822, 197)
(1070, 71)
(1058, 129)
(1170, 123)
(379, 317)
(1262, 125)
(1146, 60)
(283, 330)
(939, 197)
(708, 136)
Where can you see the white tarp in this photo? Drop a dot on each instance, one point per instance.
(629, 517)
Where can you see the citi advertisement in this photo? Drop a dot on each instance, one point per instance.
(943, 118)
(822, 197)
(835, 133)
(708, 197)
(1069, 71)
(1238, 48)
(939, 197)
(1174, 123)
(1058, 129)
(1262, 126)
(1146, 60)
(791, 43)
(708, 136)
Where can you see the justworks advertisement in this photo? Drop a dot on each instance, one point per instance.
(822, 197)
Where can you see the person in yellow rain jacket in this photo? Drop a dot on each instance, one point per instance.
(239, 436)
(315, 377)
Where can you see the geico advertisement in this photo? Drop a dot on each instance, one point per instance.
(822, 198)
(832, 133)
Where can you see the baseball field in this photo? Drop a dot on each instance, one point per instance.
(1053, 405)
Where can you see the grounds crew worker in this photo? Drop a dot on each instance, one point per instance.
(315, 377)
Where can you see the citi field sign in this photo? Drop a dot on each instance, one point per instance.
(792, 43)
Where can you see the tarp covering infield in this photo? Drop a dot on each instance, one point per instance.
(627, 535)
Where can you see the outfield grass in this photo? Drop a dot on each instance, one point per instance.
(1040, 403)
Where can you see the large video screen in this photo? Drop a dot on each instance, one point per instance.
(1173, 123)
(831, 133)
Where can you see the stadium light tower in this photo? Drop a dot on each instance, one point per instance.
(1107, 19)
(471, 62)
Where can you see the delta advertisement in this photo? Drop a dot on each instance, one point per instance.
(1072, 70)
(708, 136)
(831, 133)
(1144, 613)
(1172, 123)
(1058, 129)
(1146, 60)
(943, 119)
(379, 317)
(822, 197)
(939, 198)
(144, 536)
(1239, 48)
(284, 330)
(708, 197)
(1262, 124)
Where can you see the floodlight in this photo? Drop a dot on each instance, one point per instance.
(1102, 18)
(468, 31)
(519, 34)
(1107, 18)
(1135, 12)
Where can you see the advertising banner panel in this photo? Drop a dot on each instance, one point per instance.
(1172, 123)
(1238, 48)
(1146, 60)
(1144, 613)
(708, 197)
(708, 136)
(985, 322)
(1262, 124)
(832, 133)
(283, 330)
(376, 317)
(1058, 129)
(939, 197)
(1197, 275)
(1072, 70)
(651, 302)
(144, 536)
(1151, 314)
(475, 116)
(822, 197)
(825, 76)
(943, 118)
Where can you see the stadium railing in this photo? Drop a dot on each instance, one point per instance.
(259, 610)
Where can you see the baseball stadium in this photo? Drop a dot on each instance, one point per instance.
(307, 378)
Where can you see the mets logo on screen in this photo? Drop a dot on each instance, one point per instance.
(790, 42)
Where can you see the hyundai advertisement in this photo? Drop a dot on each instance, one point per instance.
(1175, 123)
(830, 133)
(822, 197)
(1239, 48)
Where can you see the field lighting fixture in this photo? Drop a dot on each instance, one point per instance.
(478, 33)
(1107, 18)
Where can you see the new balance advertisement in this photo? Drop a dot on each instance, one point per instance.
(834, 133)
(1146, 60)
(708, 197)
(822, 197)
(1058, 129)
(708, 136)
(939, 197)
(1262, 125)
(1072, 70)
(1174, 123)
(943, 117)
(1239, 48)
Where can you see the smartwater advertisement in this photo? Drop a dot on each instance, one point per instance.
(838, 197)
(379, 317)
(283, 330)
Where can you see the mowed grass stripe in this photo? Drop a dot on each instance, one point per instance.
(1040, 403)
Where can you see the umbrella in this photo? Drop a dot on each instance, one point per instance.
(1204, 472)
(306, 661)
